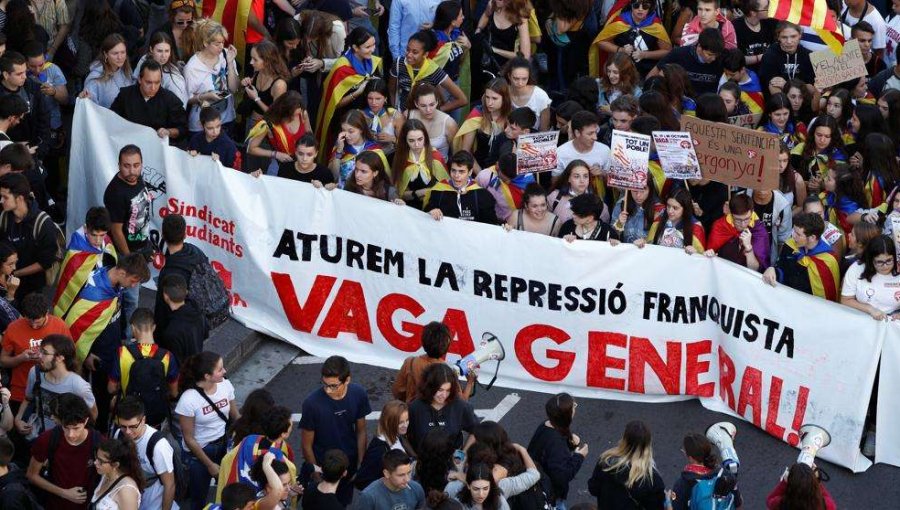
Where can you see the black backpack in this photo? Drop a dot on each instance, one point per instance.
(207, 289)
(147, 381)
(179, 472)
(533, 498)
(14, 494)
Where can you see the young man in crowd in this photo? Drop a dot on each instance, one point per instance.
(709, 16)
(153, 393)
(14, 490)
(755, 31)
(28, 229)
(16, 158)
(887, 79)
(735, 69)
(12, 110)
(90, 248)
(51, 79)
(181, 258)
(504, 183)
(396, 489)
(149, 104)
(34, 128)
(806, 262)
(584, 145)
(54, 376)
(623, 110)
(460, 196)
(740, 236)
(323, 495)
(187, 328)
(154, 452)
(855, 11)
(436, 338)
(334, 416)
(236, 496)
(865, 36)
(701, 61)
(66, 453)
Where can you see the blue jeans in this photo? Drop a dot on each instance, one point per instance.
(129, 304)
(198, 475)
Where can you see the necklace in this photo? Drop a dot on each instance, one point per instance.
(587, 232)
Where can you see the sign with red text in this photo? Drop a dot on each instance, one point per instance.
(628, 161)
(536, 152)
(830, 69)
(676, 154)
(733, 155)
(586, 318)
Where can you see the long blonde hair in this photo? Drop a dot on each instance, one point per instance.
(634, 453)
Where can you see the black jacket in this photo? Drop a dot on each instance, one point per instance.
(183, 262)
(35, 126)
(775, 63)
(14, 490)
(475, 204)
(551, 451)
(185, 333)
(611, 493)
(164, 110)
(41, 250)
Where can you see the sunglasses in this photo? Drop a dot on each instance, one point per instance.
(642, 5)
(185, 23)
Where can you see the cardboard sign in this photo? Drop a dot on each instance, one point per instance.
(629, 159)
(831, 69)
(734, 155)
(749, 120)
(536, 152)
(676, 154)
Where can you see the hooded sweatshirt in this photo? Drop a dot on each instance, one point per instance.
(182, 262)
(778, 63)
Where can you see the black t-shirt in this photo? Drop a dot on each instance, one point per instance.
(765, 213)
(130, 205)
(455, 417)
(704, 76)
(754, 43)
(602, 232)
(319, 173)
(643, 42)
(312, 498)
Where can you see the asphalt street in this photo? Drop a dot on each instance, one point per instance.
(290, 375)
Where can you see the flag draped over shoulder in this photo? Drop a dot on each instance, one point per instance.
(419, 167)
(81, 258)
(233, 15)
(95, 307)
(619, 23)
(347, 73)
(236, 465)
(821, 266)
(813, 14)
(445, 185)
(698, 240)
(513, 190)
(470, 125)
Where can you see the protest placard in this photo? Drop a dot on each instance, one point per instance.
(734, 155)
(676, 154)
(831, 69)
(630, 156)
(748, 120)
(536, 152)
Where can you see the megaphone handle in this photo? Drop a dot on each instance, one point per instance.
(490, 385)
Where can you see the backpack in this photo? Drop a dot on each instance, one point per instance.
(52, 272)
(14, 493)
(207, 289)
(178, 471)
(533, 498)
(55, 438)
(705, 496)
(147, 381)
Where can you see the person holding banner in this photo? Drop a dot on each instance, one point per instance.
(677, 228)
(585, 223)
(806, 262)
(800, 488)
(534, 215)
(740, 236)
(573, 182)
(417, 167)
(778, 119)
(460, 196)
(635, 213)
(370, 178)
(870, 284)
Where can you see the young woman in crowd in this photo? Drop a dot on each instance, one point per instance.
(415, 67)
(8, 285)
(382, 118)
(534, 216)
(180, 29)
(204, 434)
(677, 228)
(370, 177)
(390, 435)
(635, 212)
(318, 39)
(425, 106)
(880, 168)
(681, 92)
(585, 223)
(655, 103)
(274, 477)
(121, 476)
(620, 77)
(480, 491)
(514, 469)
(417, 167)
(800, 488)
(889, 106)
(160, 49)
(255, 406)
(354, 138)
(211, 75)
(790, 182)
(822, 150)
(870, 283)
(483, 131)
(703, 463)
(865, 120)
(109, 73)
(523, 92)
(554, 446)
(626, 477)
(804, 103)
(506, 25)
(287, 38)
(843, 197)
(637, 34)
(730, 92)
(857, 239)
(21, 26)
(777, 119)
(452, 43)
(268, 83)
(284, 123)
(344, 86)
(839, 107)
(574, 181)
(439, 406)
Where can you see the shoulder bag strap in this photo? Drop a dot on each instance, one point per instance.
(215, 408)
(107, 491)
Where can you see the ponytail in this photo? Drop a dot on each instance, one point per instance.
(196, 368)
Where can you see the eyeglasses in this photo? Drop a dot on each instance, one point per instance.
(45, 353)
(131, 427)
(332, 387)
(883, 263)
(98, 460)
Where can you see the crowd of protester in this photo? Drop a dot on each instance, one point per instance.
(421, 103)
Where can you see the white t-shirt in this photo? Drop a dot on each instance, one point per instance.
(200, 79)
(883, 292)
(163, 459)
(874, 18)
(538, 102)
(208, 426)
(891, 40)
(566, 153)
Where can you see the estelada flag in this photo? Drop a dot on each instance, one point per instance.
(95, 307)
(620, 23)
(810, 13)
(81, 258)
(233, 15)
(235, 466)
(821, 267)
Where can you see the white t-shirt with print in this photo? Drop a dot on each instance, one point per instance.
(208, 426)
(883, 292)
(566, 153)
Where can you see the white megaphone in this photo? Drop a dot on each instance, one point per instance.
(722, 435)
(812, 439)
(490, 349)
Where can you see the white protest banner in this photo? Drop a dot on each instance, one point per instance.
(536, 152)
(676, 154)
(831, 69)
(629, 160)
(328, 272)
